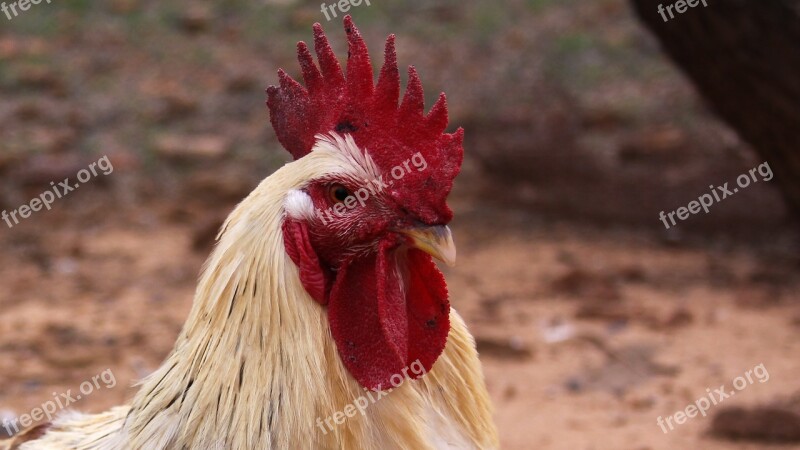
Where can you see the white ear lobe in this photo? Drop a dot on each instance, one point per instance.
(298, 205)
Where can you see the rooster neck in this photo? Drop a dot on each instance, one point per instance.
(254, 342)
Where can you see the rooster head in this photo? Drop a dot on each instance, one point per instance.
(363, 231)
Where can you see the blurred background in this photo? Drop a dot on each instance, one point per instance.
(591, 317)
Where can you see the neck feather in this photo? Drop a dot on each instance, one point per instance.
(254, 343)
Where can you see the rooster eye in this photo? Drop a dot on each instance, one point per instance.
(338, 193)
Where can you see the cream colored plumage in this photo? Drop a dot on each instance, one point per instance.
(255, 364)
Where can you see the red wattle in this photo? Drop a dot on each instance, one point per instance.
(428, 310)
(378, 331)
(368, 335)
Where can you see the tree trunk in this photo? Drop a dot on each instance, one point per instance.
(744, 58)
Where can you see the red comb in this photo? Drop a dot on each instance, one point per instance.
(353, 104)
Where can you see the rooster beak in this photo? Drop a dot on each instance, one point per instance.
(436, 241)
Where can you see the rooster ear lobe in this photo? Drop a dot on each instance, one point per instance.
(315, 278)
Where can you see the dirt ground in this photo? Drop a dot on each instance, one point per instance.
(592, 320)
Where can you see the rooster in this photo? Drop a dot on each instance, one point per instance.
(301, 315)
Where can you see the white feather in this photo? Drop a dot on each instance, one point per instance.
(298, 205)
